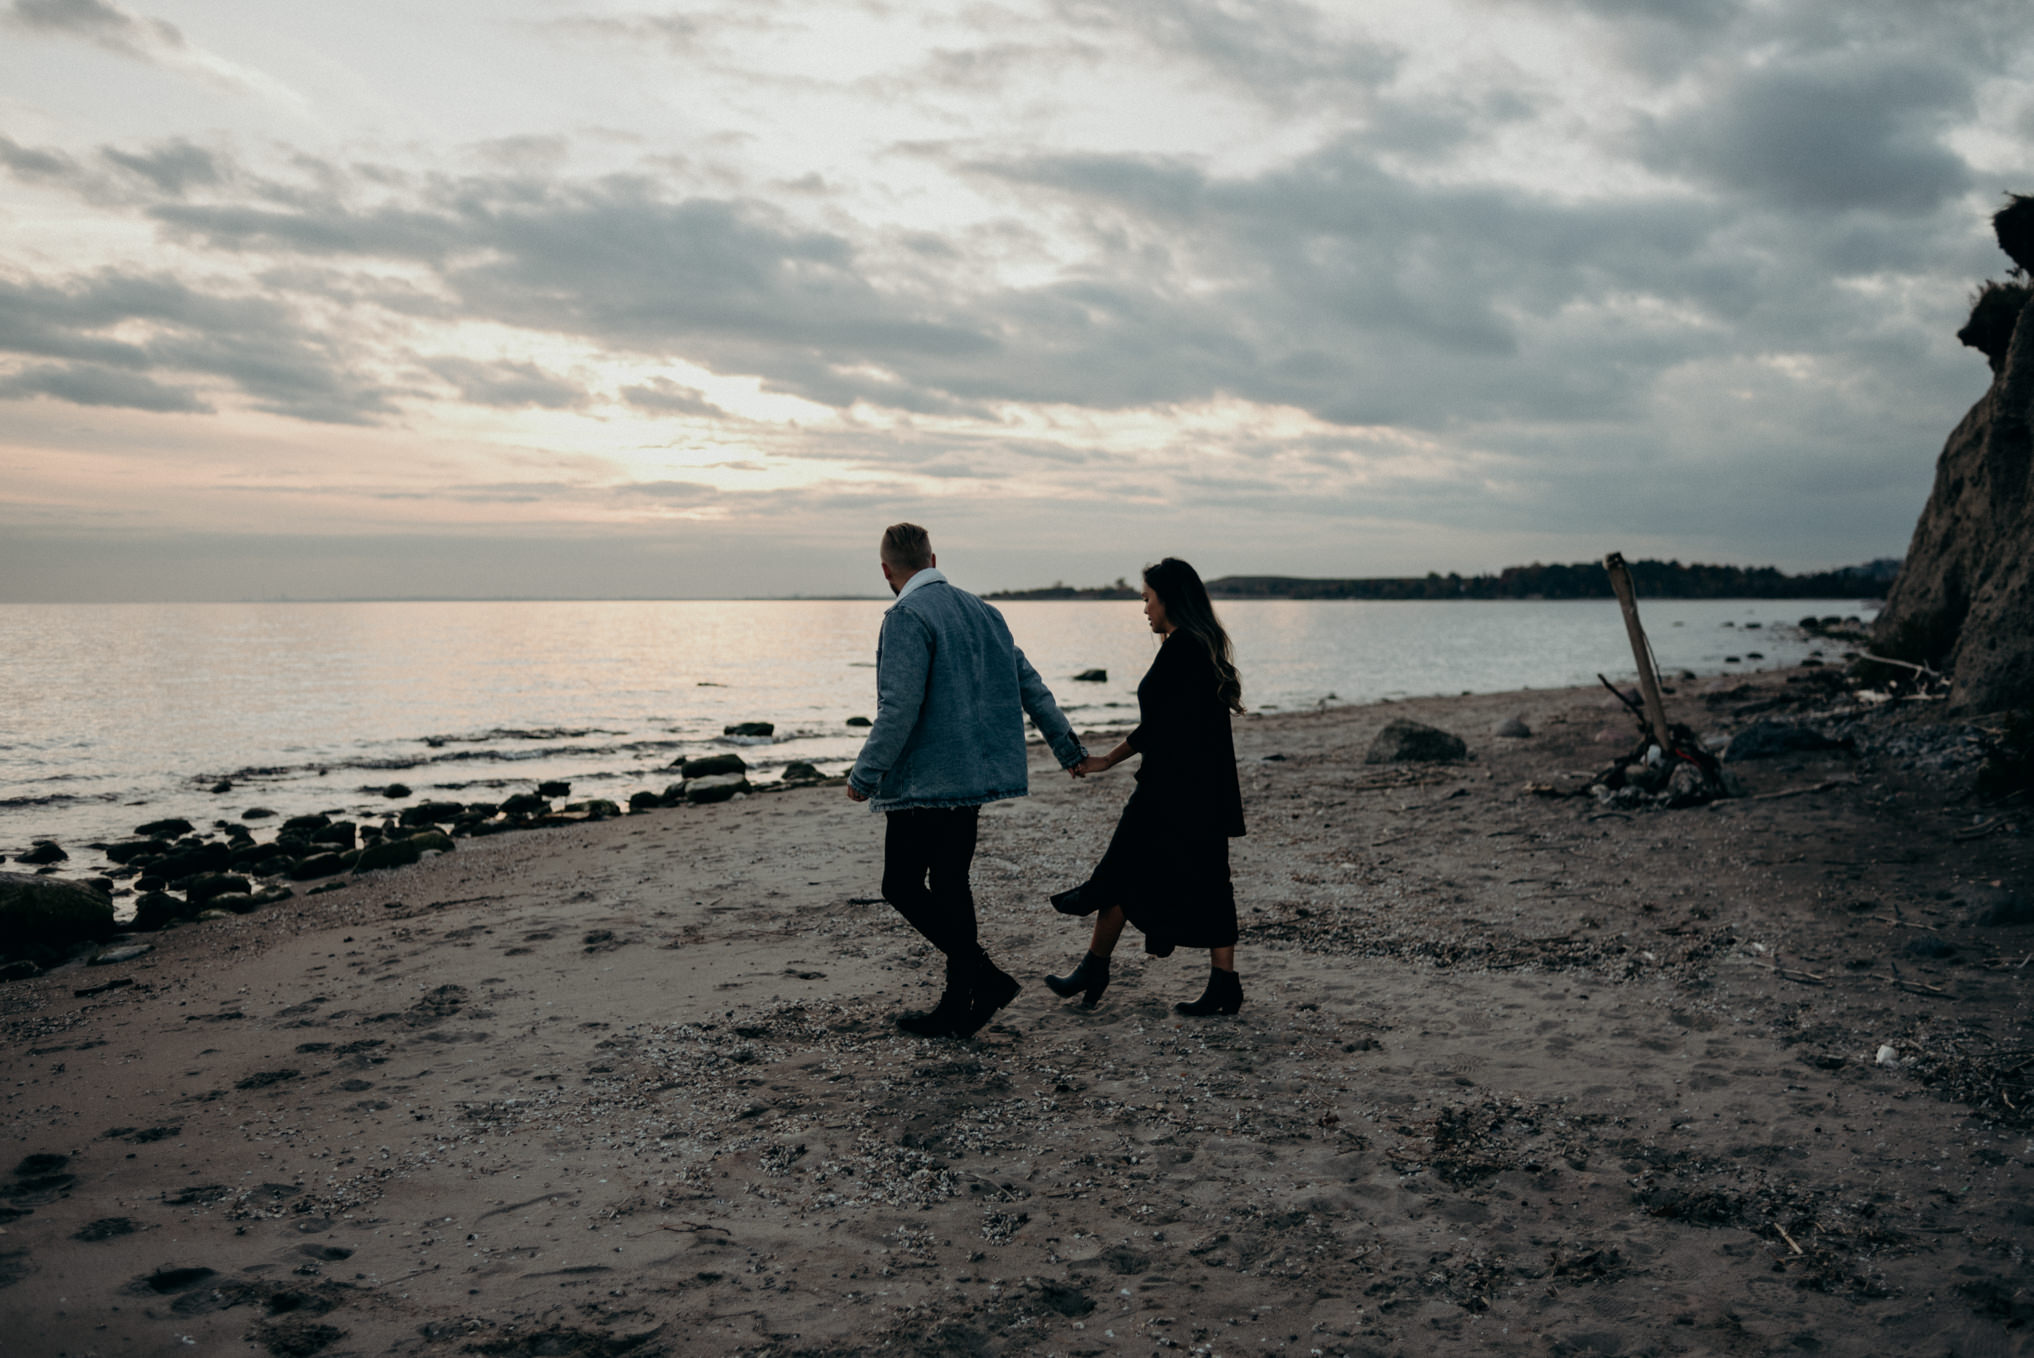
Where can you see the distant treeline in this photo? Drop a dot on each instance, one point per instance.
(1581, 580)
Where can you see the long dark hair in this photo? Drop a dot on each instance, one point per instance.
(1187, 607)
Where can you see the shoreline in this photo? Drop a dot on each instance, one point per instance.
(1514, 1070)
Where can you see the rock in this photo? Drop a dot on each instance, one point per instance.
(126, 952)
(395, 790)
(715, 787)
(340, 832)
(1964, 598)
(1994, 907)
(798, 771)
(524, 804)
(19, 970)
(319, 865)
(436, 841)
(643, 801)
(159, 908)
(256, 813)
(275, 865)
(314, 821)
(596, 808)
(713, 765)
(674, 794)
(859, 721)
(1627, 798)
(189, 859)
(554, 788)
(208, 913)
(221, 788)
(234, 902)
(42, 910)
(1764, 739)
(481, 809)
(431, 813)
(392, 853)
(269, 895)
(1092, 677)
(1930, 946)
(163, 829)
(128, 850)
(1512, 728)
(750, 730)
(45, 851)
(1404, 742)
(201, 890)
(1686, 786)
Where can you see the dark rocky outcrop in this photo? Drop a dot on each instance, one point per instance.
(1404, 742)
(714, 766)
(45, 851)
(554, 788)
(525, 804)
(48, 911)
(750, 730)
(798, 771)
(1964, 599)
(163, 829)
(715, 787)
(859, 721)
(1092, 677)
(432, 813)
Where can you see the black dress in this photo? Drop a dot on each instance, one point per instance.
(1167, 865)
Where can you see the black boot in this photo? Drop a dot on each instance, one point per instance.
(993, 988)
(946, 1018)
(1224, 995)
(1091, 976)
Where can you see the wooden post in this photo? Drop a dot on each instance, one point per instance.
(1649, 684)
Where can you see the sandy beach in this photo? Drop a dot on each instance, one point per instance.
(1515, 1074)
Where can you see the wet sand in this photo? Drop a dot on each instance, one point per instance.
(1515, 1074)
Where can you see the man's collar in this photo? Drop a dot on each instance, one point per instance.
(931, 575)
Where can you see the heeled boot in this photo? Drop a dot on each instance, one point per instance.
(1224, 995)
(1088, 980)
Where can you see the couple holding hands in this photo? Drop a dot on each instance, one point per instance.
(952, 692)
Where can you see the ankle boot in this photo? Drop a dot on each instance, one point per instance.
(946, 1018)
(1091, 976)
(1224, 995)
(993, 988)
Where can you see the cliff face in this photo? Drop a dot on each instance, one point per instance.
(1964, 600)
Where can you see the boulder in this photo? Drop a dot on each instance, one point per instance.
(314, 821)
(525, 804)
(431, 813)
(1512, 728)
(750, 730)
(390, 853)
(674, 794)
(798, 771)
(319, 865)
(554, 788)
(188, 859)
(1092, 677)
(715, 787)
(275, 865)
(164, 829)
(859, 721)
(222, 787)
(436, 841)
(45, 851)
(596, 808)
(713, 766)
(159, 908)
(43, 910)
(1964, 598)
(128, 850)
(643, 801)
(340, 832)
(201, 890)
(1764, 739)
(1410, 742)
(238, 902)
(395, 790)
(256, 813)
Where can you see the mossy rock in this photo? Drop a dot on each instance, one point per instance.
(45, 910)
(713, 766)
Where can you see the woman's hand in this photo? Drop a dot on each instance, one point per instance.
(1094, 763)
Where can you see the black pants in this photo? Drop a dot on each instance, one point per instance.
(926, 856)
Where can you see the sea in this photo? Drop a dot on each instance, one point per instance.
(112, 715)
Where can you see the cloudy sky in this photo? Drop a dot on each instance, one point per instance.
(558, 297)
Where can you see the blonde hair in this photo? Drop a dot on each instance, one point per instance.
(907, 546)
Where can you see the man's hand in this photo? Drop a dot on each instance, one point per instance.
(855, 796)
(1094, 763)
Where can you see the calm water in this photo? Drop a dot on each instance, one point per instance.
(114, 714)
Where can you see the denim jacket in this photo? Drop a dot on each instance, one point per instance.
(952, 690)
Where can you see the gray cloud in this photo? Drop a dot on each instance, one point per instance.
(506, 384)
(172, 167)
(662, 396)
(1277, 51)
(91, 384)
(96, 21)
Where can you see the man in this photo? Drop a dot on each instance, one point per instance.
(951, 693)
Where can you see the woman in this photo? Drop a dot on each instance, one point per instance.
(1167, 867)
